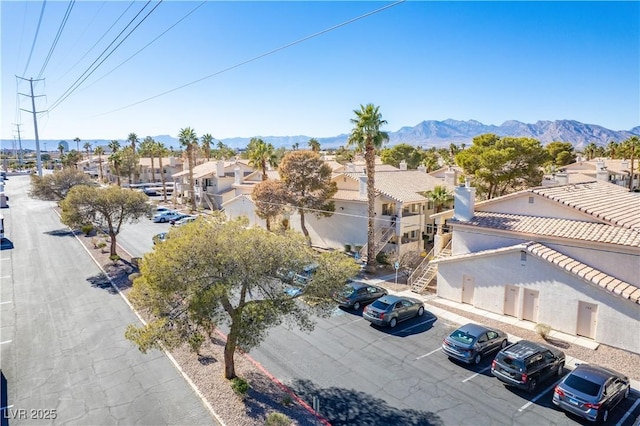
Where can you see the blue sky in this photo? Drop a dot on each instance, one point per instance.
(417, 60)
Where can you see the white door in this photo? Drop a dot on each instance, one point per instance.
(511, 296)
(587, 319)
(530, 305)
(467, 289)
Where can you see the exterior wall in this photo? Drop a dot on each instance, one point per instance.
(541, 207)
(243, 206)
(559, 295)
(617, 262)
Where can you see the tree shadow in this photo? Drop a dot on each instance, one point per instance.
(64, 232)
(354, 408)
(206, 359)
(102, 282)
(6, 244)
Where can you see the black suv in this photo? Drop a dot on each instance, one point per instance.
(525, 364)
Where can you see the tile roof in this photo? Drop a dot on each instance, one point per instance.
(581, 270)
(611, 203)
(204, 169)
(404, 185)
(555, 227)
(348, 195)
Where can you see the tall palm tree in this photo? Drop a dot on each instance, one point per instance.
(61, 149)
(114, 158)
(314, 145)
(630, 148)
(366, 136)
(189, 140)
(133, 139)
(99, 151)
(612, 149)
(590, 151)
(147, 149)
(87, 148)
(261, 155)
(160, 150)
(77, 141)
(207, 141)
(439, 196)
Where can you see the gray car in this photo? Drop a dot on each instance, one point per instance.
(389, 310)
(356, 293)
(591, 391)
(471, 342)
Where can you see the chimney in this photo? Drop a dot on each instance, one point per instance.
(220, 168)
(363, 186)
(562, 178)
(599, 165)
(172, 161)
(238, 175)
(602, 174)
(422, 168)
(451, 177)
(351, 168)
(464, 200)
(624, 164)
(403, 165)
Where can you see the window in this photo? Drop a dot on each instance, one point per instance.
(482, 338)
(530, 200)
(387, 209)
(492, 335)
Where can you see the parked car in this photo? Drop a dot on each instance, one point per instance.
(166, 216)
(355, 294)
(299, 280)
(524, 364)
(389, 310)
(183, 220)
(471, 342)
(591, 391)
(161, 237)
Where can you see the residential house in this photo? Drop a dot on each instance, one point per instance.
(565, 255)
(604, 169)
(170, 166)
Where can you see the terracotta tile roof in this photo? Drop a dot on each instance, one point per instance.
(611, 203)
(555, 227)
(404, 185)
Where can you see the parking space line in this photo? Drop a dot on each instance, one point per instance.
(628, 413)
(415, 325)
(432, 352)
(477, 374)
(4, 303)
(5, 258)
(6, 276)
(537, 397)
(6, 341)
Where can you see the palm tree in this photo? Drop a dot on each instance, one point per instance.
(61, 149)
(77, 141)
(189, 141)
(160, 150)
(439, 195)
(630, 148)
(262, 154)
(207, 140)
(590, 151)
(612, 149)
(99, 151)
(87, 148)
(147, 149)
(314, 145)
(114, 158)
(133, 138)
(295, 146)
(366, 136)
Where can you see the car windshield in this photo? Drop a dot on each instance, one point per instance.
(379, 304)
(462, 337)
(346, 291)
(511, 362)
(582, 385)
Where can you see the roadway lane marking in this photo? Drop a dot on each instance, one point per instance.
(477, 374)
(432, 352)
(6, 341)
(537, 397)
(4, 303)
(6, 276)
(6, 258)
(628, 413)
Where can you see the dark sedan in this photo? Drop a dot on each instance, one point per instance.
(591, 392)
(471, 342)
(389, 310)
(355, 294)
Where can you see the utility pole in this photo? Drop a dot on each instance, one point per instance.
(35, 121)
(20, 154)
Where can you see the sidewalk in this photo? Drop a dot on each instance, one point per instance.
(388, 282)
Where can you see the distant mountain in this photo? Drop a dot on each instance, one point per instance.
(427, 133)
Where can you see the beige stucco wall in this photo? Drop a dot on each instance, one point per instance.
(559, 294)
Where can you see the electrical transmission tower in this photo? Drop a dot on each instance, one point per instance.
(20, 153)
(35, 120)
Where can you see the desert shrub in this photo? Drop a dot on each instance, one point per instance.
(114, 258)
(382, 258)
(286, 400)
(240, 386)
(543, 330)
(86, 229)
(278, 419)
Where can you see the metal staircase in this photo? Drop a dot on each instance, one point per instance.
(427, 271)
(381, 238)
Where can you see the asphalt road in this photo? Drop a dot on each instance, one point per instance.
(64, 358)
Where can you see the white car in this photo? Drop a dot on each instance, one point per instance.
(166, 216)
(185, 220)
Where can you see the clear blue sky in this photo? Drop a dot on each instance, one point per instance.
(418, 60)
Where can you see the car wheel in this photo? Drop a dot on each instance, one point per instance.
(356, 306)
(421, 311)
(503, 344)
(393, 322)
(162, 220)
(477, 358)
(560, 370)
(533, 384)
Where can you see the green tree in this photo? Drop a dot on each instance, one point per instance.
(503, 165)
(206, 141)
(344, 155)
(629, 149)
(214, 272)
(105, 208)
(612, 149)
(440, 197)
(402, 152)
(99, 151)
(72, 158)
(307, 181)
(367, 137)
(56, 186)
(260, 155)
(590, 151)
(430, 161)
(189, 141)
(270, 198)
(560, 153)
(147, 149)
(61, 149)
(314, 145)
(77, 141)
(87, 148)
(129, 163)
(160, 150)
(133, 140)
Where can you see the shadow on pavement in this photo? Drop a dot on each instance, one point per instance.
(6, 244)
(3, 400)
(102, 282)
(64, 232)
(411, 326)
(354, 408)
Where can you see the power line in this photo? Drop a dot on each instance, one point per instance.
(44, 3)
(57, 37)
(255, 58)
(80, 79)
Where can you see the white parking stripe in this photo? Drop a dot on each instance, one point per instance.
(416, 325)
(6, 341)
(432, 352)
(628, 413)
(6, 258)
(477, 374)
(6, 276)
(4, 303)
(537, 397)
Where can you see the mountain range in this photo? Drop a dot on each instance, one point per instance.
(425, 134)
